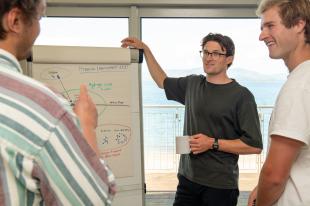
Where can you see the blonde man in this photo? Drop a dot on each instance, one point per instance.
(284, 178)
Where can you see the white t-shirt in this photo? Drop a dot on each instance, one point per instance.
(291, 118)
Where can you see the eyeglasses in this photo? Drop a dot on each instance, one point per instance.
(214, 55)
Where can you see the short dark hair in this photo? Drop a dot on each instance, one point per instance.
(225, 42)
(28, 7)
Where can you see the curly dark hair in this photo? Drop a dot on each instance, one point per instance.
(28, 7)
(225, 42)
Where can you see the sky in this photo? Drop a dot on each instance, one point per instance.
(174, 42)
(103, 32)
(177, 42)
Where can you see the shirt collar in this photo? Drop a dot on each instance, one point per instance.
(299, 68)
(10, 60)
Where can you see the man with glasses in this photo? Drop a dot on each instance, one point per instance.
(45, 158)
(221, 119)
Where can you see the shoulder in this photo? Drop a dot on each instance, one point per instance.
(191, 77)
(31, 94)
(186, 80)
(244, 92)
(299, 78)
(195, 79)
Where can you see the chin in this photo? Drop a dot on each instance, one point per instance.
(207, 70)
(274, 56)
(24, 56)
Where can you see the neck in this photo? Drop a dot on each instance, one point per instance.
(300, 55)
(7, 46)
(218, 79)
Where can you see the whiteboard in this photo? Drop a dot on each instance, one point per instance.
(112, 77)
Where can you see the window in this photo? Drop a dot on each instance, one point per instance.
(105, 32)
(175, 43)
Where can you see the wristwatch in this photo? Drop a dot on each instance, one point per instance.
(215, 145)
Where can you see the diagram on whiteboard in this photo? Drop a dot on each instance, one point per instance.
(113, 139)
(110, 89)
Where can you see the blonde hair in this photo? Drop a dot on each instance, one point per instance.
(290, 11)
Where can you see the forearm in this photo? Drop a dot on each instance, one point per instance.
(155, 70)
(200, 143)
(237, 147)
(90, 136)
(269, 191)
(276, 169)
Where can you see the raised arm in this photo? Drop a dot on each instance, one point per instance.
(155, 70)
(86, 110)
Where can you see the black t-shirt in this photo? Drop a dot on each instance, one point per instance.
(226, 111)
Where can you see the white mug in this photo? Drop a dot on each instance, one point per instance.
(182, 145)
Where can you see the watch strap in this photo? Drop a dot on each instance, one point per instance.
(215, 145)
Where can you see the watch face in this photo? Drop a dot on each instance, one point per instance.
(215, 144)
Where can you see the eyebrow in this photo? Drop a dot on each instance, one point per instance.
(216, 50)
(266, 24)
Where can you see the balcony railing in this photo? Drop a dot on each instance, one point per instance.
(161, 125)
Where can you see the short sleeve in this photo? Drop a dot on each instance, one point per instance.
(175, 88)
(291, 115)
(249, 121)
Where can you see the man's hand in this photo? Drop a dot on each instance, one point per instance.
(200, 143)
(86, 110)
(133, 42)
(157, 73)
(252, 197)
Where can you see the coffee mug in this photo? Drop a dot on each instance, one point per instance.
(182, 145)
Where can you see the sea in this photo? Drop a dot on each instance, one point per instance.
(265, 92)
(163, 119)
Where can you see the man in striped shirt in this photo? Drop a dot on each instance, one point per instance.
(45, 159)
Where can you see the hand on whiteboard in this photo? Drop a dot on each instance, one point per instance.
(133, 42)
(86, 110)
(157, 73)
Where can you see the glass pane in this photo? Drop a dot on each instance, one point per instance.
(176, 43)
(99, 32)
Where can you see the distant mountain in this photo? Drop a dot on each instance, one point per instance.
(244, 75)
(240, 74)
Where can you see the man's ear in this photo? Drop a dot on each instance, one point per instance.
(229, 59)
(13, 21)
(300, 26)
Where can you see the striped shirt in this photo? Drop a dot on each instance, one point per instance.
(44, 158)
